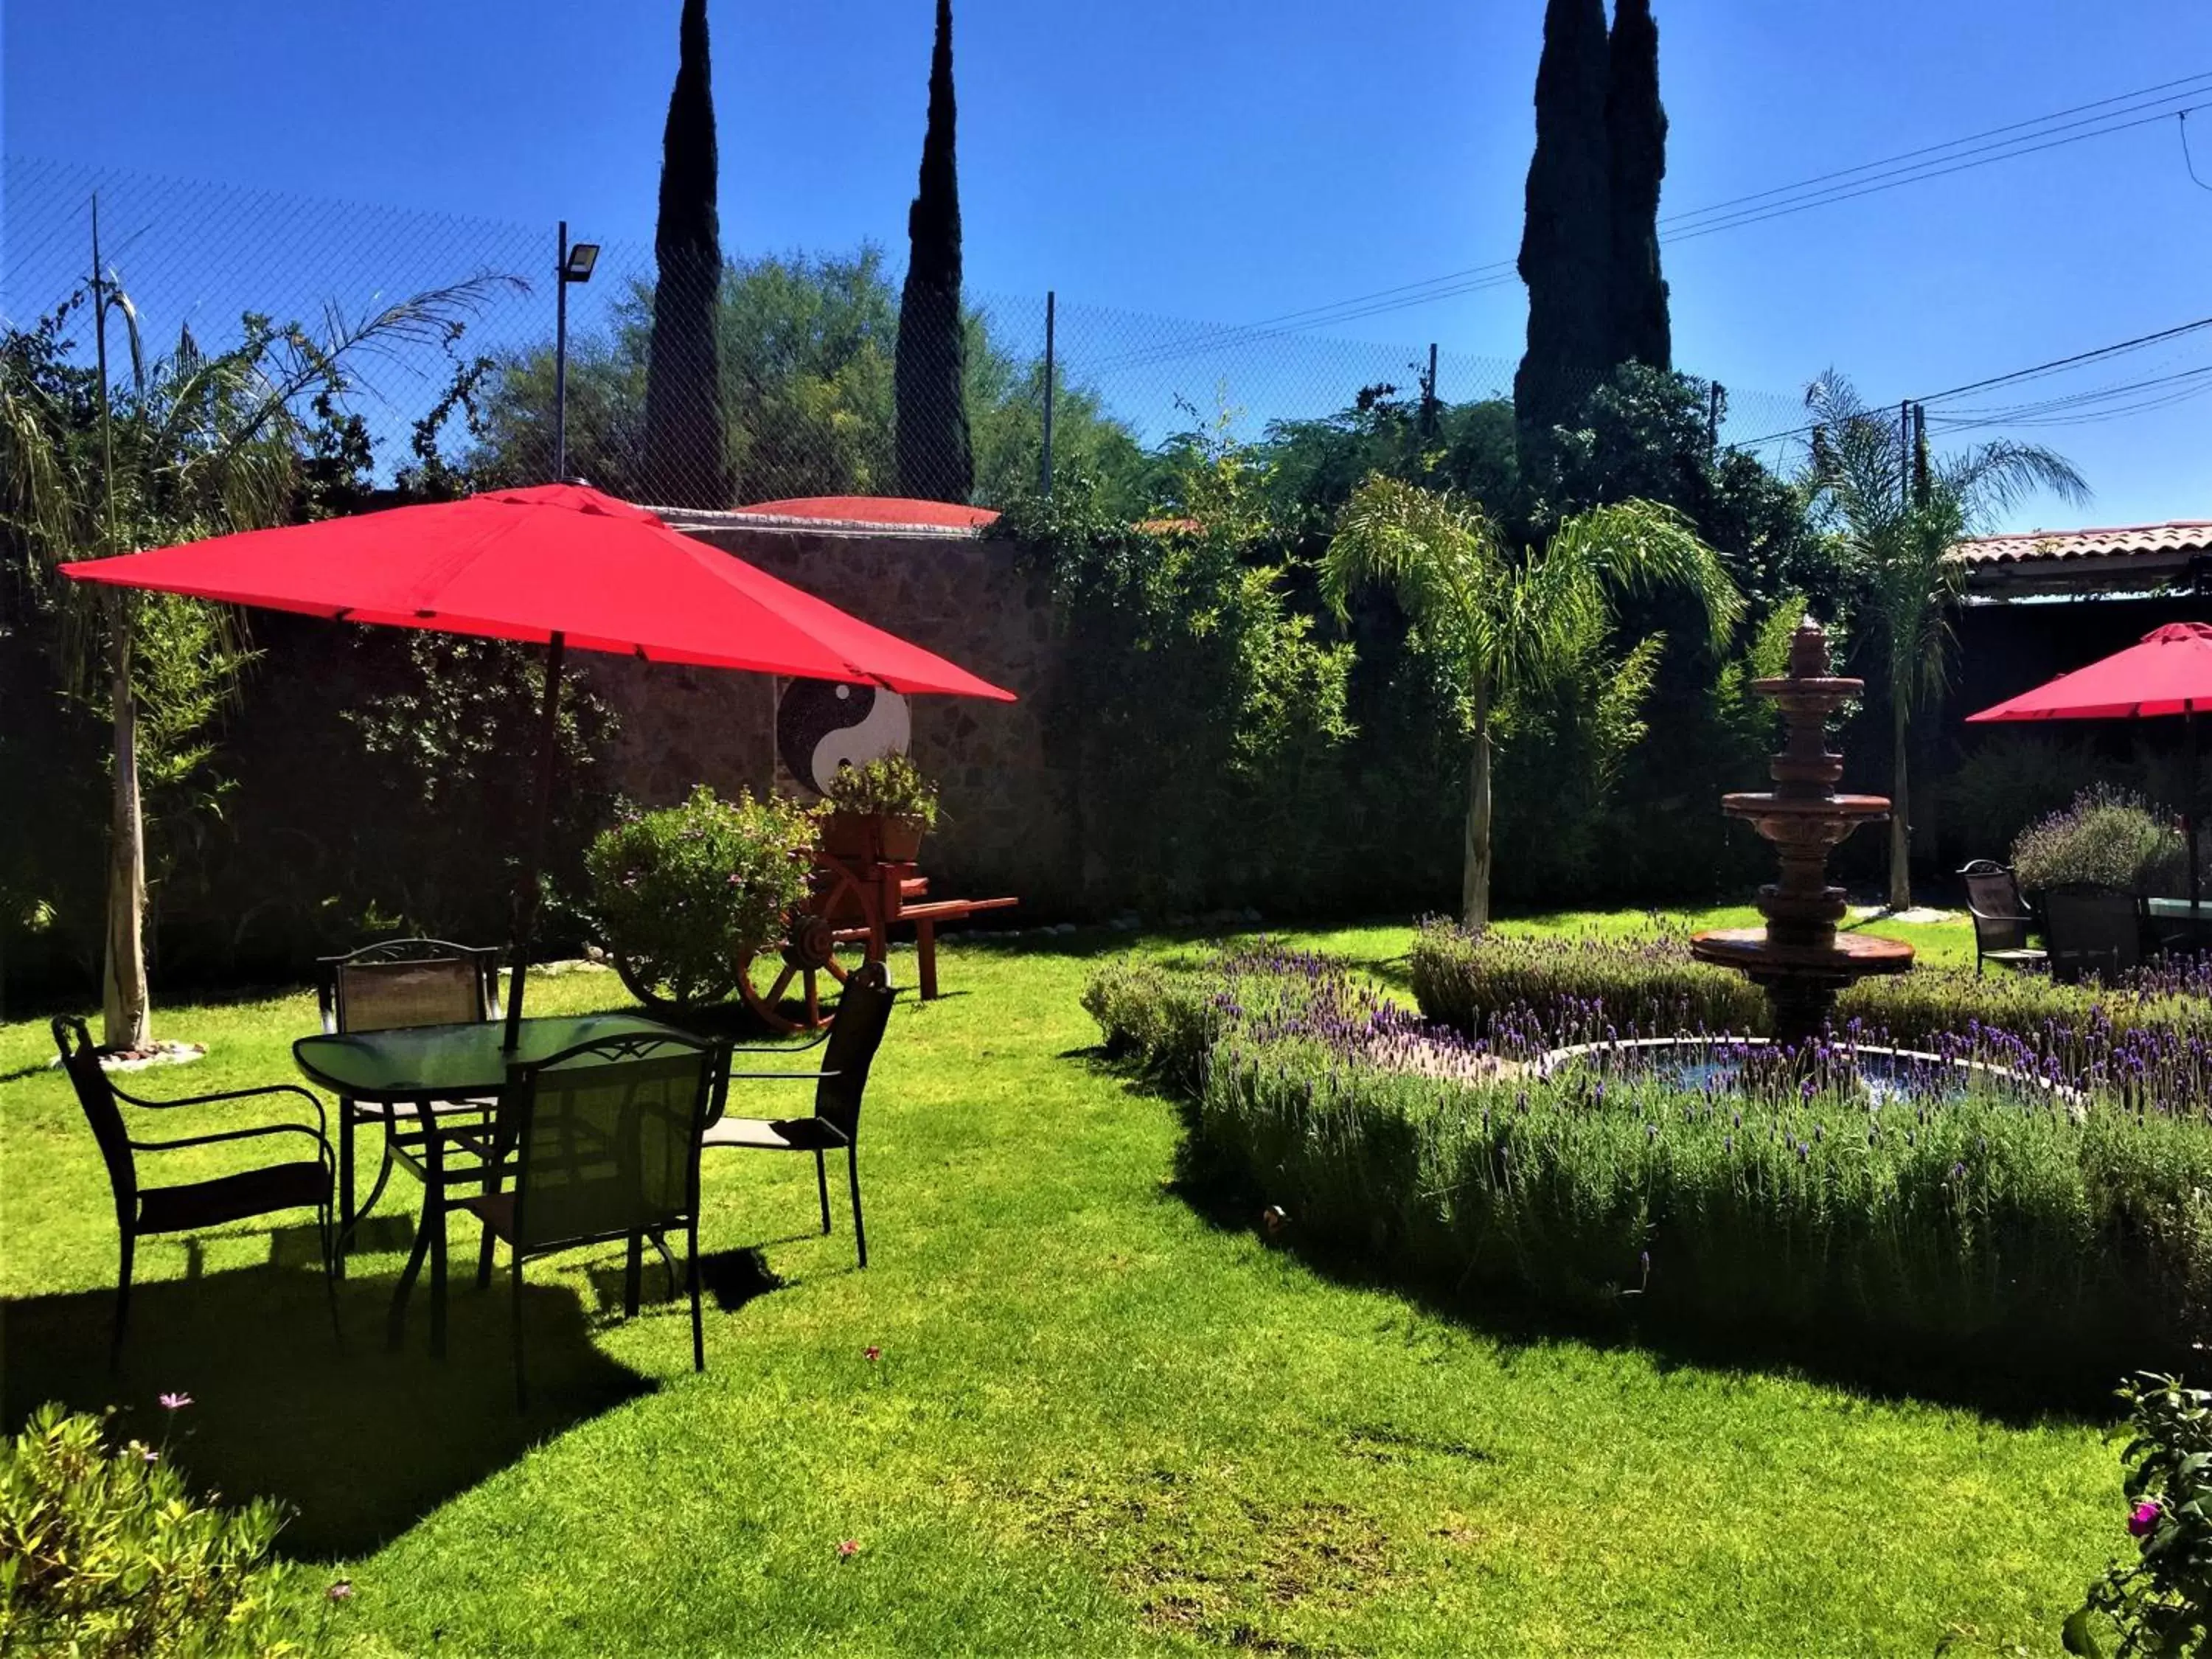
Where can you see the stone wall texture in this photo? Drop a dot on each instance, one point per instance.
(1006, 824)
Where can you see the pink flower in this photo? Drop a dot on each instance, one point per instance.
(175, 1402)
(151, 1455)
(2144, 1517)
(848, 1548)
(872, 1353)
(341, 1591)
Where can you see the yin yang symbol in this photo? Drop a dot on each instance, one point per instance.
(820, 726)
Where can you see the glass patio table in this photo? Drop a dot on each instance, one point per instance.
(425, 1065)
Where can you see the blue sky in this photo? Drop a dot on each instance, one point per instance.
(1235, 161)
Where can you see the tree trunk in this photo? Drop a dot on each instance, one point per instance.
(1474, 868)
(1900, 819)
(124, 996)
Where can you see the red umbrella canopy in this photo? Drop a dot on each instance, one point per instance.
(528, 564)
(2169, 673)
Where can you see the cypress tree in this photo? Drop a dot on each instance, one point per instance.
(1636, 138)
(683, 461)
(935, 462)
(1566, 237)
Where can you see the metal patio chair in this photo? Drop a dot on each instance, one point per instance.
(2001, 918)
(2092, 931)
(380, 988)
(602, 1143)
(863, 1013)
(195, 1206)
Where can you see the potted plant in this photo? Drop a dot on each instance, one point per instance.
(880, 809)
(682, 895)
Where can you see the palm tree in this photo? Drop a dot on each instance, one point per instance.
(194, 444)
(1514, 623)
(1897, 511)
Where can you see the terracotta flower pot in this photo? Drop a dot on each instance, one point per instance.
(901, 838)
(852, 834)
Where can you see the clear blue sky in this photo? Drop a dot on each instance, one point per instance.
(1234, 161)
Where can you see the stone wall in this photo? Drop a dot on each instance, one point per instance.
(1007, 825)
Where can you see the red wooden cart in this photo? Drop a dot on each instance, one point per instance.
(847, 920)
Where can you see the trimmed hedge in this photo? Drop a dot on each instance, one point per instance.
(1996, 1230)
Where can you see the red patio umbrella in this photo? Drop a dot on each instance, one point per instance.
(2170, 672)
(557, 565)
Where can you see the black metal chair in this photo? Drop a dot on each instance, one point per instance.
(602, 1142)
(380, 988)
(195, 1206)
(863, 1013)
(2092, 931)
(2001, 918)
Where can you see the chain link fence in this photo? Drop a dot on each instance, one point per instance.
(794, 359)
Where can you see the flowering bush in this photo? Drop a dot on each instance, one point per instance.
(1997, 1221)
(679, 894)
(2149, 1037)
(890, 784)
(102, 1550)
(2161, 1601)
(2107, 838)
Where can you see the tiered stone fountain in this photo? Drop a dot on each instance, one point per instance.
(1798, 958)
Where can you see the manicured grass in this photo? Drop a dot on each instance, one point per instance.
(1106, 1418)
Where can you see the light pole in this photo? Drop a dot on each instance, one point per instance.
(574, 264)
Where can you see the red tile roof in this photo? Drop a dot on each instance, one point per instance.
(2178, 535)
(876, 509)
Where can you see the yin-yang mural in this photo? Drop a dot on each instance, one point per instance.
(820, 726)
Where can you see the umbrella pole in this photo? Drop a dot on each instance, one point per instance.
(2188, 817)
(525, 914)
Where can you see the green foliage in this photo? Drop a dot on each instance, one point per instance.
(807, 344)
(1574, 987)
(935, 459)
(2106, 837)
(2161, 1601)
(1197, 699)
(1994, 1227)
(679, 893)
(683, 463)
(1566, 236)
(889, 784)
(103, 1551)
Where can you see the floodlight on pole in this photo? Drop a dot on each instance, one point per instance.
(574, 264)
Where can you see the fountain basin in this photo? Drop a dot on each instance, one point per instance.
(1725, 1066)
(1755, 951)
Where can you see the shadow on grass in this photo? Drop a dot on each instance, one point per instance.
(1225, 1198)
(359, 1445)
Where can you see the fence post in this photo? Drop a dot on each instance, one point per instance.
(1715, 402)
(1044, 482)
(1429, 395)
(561, 357)
(1920, 454)
(1905, 451)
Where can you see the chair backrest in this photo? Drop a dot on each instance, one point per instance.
(606, 1136)
(864, 1010)
(409, 981)
(1993, 900)
(81, 1059)
(2091, 929)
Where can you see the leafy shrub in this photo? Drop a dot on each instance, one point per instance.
(102, 1550)
(2162, 1601)
(680, 892)
(889, 784)
(1572, 989)
(2106, 837)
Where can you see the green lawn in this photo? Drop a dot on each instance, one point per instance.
(1106, 1418)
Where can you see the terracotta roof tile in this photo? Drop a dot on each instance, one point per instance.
(2182, 535)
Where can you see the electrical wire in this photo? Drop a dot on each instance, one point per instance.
(1910, 166)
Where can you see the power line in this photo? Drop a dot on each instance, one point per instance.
(1941, 160)
(2014, 377)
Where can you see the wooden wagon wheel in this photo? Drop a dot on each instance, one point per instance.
(784, 987)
